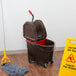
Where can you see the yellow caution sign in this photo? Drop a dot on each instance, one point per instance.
(68, 64)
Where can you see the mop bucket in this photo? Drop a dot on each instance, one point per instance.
(40, 49)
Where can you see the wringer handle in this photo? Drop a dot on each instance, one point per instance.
(31, 14)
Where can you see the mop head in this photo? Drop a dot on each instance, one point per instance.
(13, 70)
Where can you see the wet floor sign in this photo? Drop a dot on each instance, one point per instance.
(68, 64)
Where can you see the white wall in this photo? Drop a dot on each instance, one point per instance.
(59, 17)
(1, 30)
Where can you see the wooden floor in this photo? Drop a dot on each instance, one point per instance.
(36, 70)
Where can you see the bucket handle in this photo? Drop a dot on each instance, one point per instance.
(31, 14)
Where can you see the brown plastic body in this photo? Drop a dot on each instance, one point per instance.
(41, 54)
(34, 31)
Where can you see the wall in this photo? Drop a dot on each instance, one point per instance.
(59, 17)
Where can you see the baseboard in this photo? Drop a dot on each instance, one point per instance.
(14, 52)
(59, 48)
(25, 51)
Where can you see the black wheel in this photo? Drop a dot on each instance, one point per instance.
(45, 65)
(30, 61)
(51, 62)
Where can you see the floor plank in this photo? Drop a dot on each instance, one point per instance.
(36, 70)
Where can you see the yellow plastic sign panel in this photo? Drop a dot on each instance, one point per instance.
(68, 64)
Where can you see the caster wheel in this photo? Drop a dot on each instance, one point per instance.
(45, 65)
(30, 61)
(51, 62)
